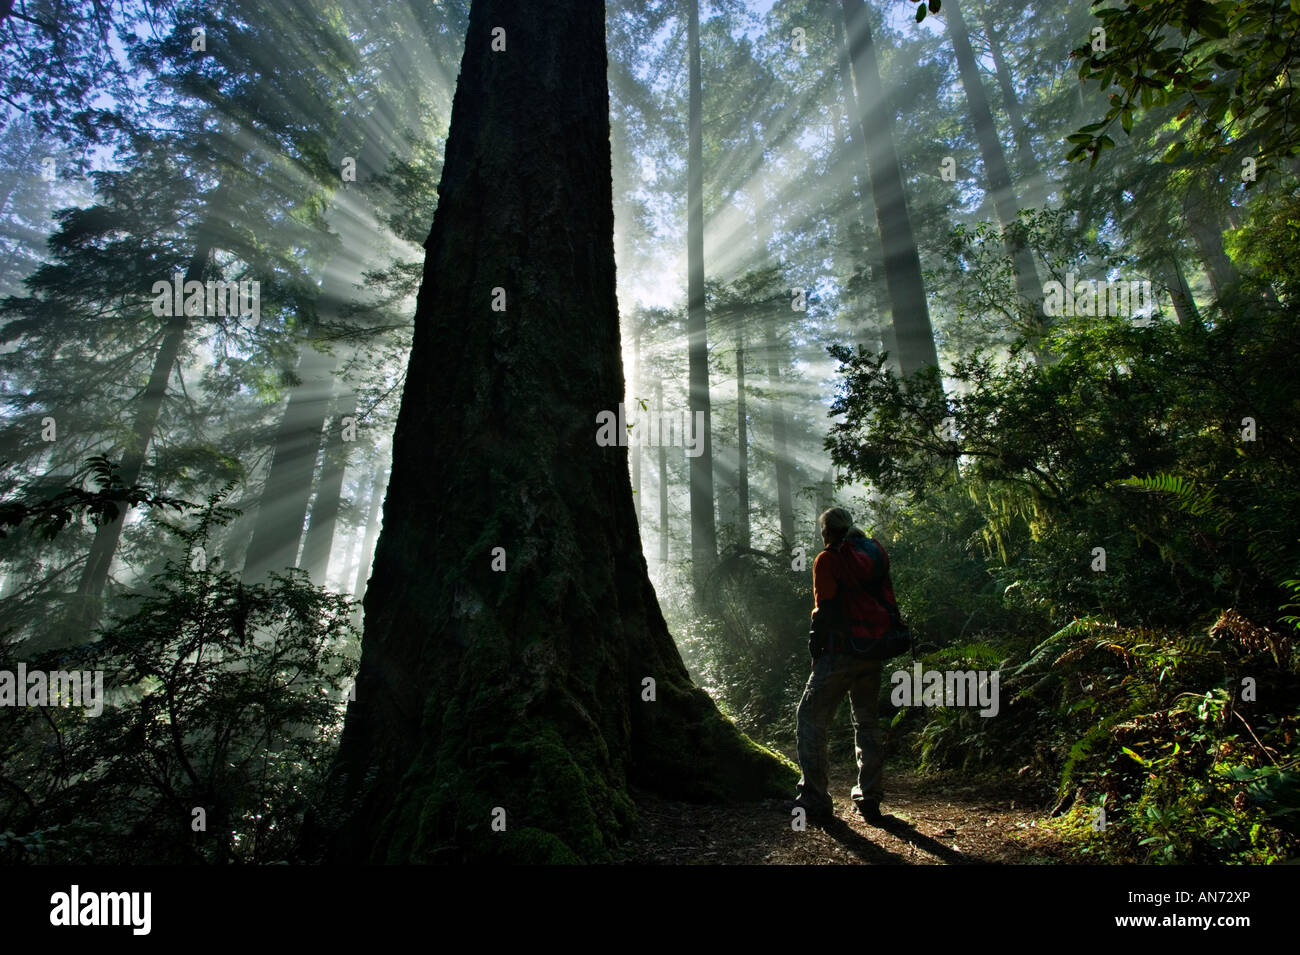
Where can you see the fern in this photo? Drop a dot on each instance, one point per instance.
(1187, 496)
(1083, 749)
(1076, 628)
(1262, 542)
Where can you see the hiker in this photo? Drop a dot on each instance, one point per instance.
(853, 595)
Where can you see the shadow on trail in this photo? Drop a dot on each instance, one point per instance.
(872, 854)
(908, 833)
(860, 845)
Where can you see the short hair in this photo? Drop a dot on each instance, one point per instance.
(837, 521)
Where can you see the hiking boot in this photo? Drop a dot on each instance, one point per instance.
(870, 810)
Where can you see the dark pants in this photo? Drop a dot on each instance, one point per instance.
(833, 675)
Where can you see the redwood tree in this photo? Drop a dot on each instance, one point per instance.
(871, 110)
(998, 174)
(704, 533)
(519, 697)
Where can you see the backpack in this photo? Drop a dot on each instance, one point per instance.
(864, 621)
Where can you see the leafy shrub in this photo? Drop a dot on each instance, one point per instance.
(221, 697)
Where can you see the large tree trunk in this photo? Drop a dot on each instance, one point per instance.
(908, 308)
(704, 534)
(95, 573)
(501, 714)
(1001, 191)
(1209, 242)
(282, 513)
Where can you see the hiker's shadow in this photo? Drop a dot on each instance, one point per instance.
(860, 845)
(869, 852)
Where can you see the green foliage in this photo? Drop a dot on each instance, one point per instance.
(47, 516)
(1176, 739)
(978, 288)
(1224, 66)
(219, 696)
(1169, 446)
(1267, 243)
(932, 6)
(750, 651)
(957, 736)
(1047, 452)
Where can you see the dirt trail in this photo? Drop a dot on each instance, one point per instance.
(934, 822)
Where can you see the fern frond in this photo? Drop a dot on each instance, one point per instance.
(1083, 626)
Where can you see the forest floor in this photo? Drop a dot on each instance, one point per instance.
(928, 821)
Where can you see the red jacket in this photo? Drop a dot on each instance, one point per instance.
(846, 581)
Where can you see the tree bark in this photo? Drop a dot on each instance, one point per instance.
(635, 407)
(1181, 293)
(868, 259)
(908, 308)
(1209, 243)
(704, 534)
(501, 714)
(354, 545)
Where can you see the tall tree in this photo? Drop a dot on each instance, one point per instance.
(996, 171)
(366, 559)
(704, 535)
(1201, 211)
(1180, 293)
(902, 261)
(319, 539)
(780, 436)
(742, 443)
(282, 514)
(95, 572)
(519, 696)
(636, 397)
(252, 97)
(866, 256)
(663, 479)
(1033, 184)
